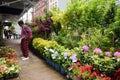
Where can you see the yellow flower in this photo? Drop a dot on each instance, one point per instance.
(107, 58)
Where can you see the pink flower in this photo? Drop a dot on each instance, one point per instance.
(117, 54)
(85, 48)
(78, 63)
(97, 50)
(65, 55)
(2, 68)
(94, 74)
(74, 58)
(108, 54)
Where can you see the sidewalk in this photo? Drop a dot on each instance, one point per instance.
(34, 68)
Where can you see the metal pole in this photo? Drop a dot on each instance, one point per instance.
(31, 2)
(10, 2)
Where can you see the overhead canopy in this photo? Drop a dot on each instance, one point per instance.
(13, 9)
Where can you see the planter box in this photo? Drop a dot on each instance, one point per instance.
(2, 79)
(49, 62)
(56, 67)
(36, 52)
(10, 76)
(62, 71)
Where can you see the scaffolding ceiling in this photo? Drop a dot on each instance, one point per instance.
(13, 9)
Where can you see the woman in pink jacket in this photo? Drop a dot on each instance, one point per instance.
(26, 34)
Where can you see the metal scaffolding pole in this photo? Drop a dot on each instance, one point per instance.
(8, 3)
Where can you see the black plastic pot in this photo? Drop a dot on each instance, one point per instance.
(10, 76)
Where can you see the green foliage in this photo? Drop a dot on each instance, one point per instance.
(100, 62)
(8, 61)
(92, 13)
(56, 27)
(47, 13)
(68, 39)
(115, 29)
(105, 64)
(35, 28)
(56, 53)
(35, 31)
(38, 19)
(95, 37)
(11, 27)
(80, 17)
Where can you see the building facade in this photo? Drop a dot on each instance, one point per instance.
(48, 4)
(61, 4)
(40, 7)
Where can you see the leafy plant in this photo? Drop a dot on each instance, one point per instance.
(8, 62)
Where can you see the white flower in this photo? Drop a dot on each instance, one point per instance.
(65, 55)
(53, 56)
(51, 50)
(56, 53)
(45, 48)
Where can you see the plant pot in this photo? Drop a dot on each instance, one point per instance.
(62, 71)
(10, 76)
(57, 67)
(2, 79)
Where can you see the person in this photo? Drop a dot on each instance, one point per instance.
(10, 34)
(26, 34)
(6, 33)
(14, 34)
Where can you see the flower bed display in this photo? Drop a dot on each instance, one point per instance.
(9, 67)
(81, 63)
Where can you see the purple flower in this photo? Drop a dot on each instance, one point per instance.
(74, 58)
(108, 54)
(65, 55)
(85, 48)
(117, 54)
(97, 50)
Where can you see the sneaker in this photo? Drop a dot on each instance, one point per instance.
(25, 58)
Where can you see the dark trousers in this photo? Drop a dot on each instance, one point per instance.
(24, 47)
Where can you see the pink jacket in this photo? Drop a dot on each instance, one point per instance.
(26, 31)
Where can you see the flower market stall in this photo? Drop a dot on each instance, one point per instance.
(86, 46)
(80, 62)
(9, 67)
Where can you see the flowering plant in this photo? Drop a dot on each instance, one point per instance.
(117, 74)
(8, 61)
(97, 51)
(86, 72)
(93, 64)
(102, 61)
(117, 54)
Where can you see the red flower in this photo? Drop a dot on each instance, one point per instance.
(94, 74)
(107, 78)
(2, 68)
(9, 62)
(97, 72)
(117, 74)
(79, 76)
(82, 68)
(68, 65)
(75, 66)
(78, 63)
(87, 68)
(14, 59)
(99, 77)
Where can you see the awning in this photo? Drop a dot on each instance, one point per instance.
(13, 9)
